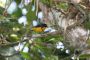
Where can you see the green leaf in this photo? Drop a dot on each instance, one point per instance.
(84, 56)
(25, 55)
(18, 1)
(13, 38)
(46, 2)
(31, 15)
(63, 6)
(17, 14)
(87, 25)
(1, 10)
(52, 57)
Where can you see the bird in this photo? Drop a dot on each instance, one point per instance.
(39, 28)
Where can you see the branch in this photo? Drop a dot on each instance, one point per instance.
(33, 36)
(16, 53)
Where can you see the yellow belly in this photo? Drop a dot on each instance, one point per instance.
(38, 29)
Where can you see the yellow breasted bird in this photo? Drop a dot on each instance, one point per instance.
(39, 28)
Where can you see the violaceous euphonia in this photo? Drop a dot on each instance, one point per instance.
(39, 28)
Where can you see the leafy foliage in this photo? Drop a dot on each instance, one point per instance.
(39, 48)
